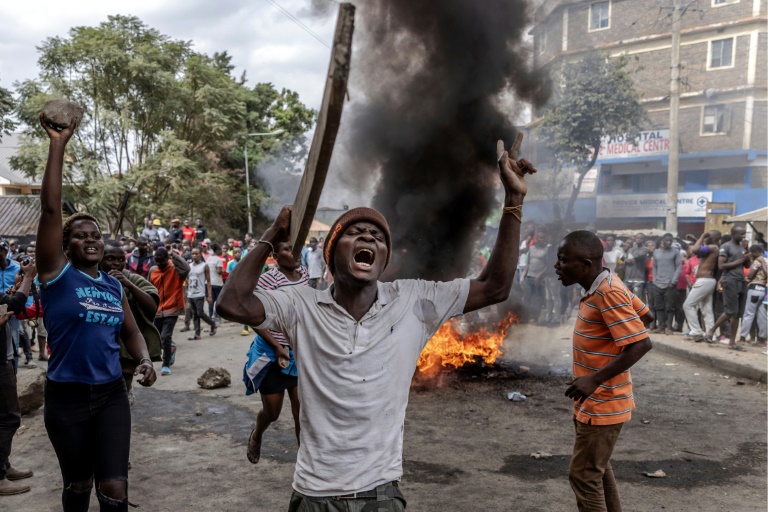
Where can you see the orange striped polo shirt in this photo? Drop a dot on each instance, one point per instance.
(608, 320)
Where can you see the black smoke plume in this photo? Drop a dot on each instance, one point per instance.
(433, 76)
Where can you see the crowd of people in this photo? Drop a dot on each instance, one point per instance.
(110, 308)
(710, 287)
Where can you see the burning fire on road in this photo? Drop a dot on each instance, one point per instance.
(452, 347)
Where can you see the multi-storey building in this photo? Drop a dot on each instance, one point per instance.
(723, 113)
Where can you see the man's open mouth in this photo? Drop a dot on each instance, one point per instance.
(364, 257)
(91, 250)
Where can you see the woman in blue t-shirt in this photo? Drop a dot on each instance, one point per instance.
(86, 403)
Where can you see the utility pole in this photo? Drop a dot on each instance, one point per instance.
(248, 191)
(248, 175)
(673, 167)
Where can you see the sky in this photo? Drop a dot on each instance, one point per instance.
(260, 38)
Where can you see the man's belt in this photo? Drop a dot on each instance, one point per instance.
(372, 493)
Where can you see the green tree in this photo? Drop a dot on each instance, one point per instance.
(7, 106)
(156, 115)
(595, 98)
(268, 110)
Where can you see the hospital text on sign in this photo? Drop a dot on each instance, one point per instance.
(648, 143)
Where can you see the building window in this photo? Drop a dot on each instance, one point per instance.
(651, 183)
(719, 3)
(616, 184)
(713, 119)
(599, 16)
(721, 53)
(727, 178)
(12, 191)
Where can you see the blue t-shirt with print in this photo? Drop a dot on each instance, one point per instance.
(83, 317)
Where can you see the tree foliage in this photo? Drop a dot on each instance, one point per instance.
(7, 106)
(594, 98)
(160, 125)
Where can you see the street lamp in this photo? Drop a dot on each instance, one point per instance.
(248, 177)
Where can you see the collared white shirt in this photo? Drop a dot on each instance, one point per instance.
(354, 377)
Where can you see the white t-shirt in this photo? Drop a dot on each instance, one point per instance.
(315, 264)
(196, 281)
(215, 262)
(611, 258)
(355, 376)
(522, 260)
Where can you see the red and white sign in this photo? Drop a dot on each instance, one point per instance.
(648, 143)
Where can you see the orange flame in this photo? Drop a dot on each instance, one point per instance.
(449, 348)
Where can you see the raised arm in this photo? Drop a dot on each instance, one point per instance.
(495, 281)
(181, 265)
(699, 243)
(49, 252)
(236, 300)
(148, 303)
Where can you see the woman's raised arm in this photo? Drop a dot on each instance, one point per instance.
(50, 253)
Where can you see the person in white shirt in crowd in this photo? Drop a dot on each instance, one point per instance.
(315, 264)
(612, 253)
(356, 344)
(216, 268)
(198, 290)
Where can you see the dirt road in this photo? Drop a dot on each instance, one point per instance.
(467, 448)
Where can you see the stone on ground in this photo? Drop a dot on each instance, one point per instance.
(213, 378)
(31, 388)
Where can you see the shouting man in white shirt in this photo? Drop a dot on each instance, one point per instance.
(356, 344)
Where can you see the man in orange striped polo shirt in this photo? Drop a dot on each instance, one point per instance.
(609, 337)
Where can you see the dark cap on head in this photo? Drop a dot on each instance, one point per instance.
(354, 216)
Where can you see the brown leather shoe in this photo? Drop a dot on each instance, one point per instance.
(17, 474)
(8, 488)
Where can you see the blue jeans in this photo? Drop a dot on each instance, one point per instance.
(15, 332)
(215, 290)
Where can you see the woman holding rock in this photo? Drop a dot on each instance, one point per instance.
(86, 403)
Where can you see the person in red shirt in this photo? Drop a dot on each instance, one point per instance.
(188, 232)
(227, 257)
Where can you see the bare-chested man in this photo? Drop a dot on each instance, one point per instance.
(706, 248)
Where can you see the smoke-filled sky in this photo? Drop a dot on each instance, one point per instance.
(431, 85)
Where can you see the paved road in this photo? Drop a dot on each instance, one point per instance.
(466, 447)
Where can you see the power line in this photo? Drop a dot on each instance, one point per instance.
(301, 25)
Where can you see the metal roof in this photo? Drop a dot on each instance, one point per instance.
(19, 216)
(760, 215)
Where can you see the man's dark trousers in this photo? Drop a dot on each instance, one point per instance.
(165, 325)
(10, 415)
(664, 305)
